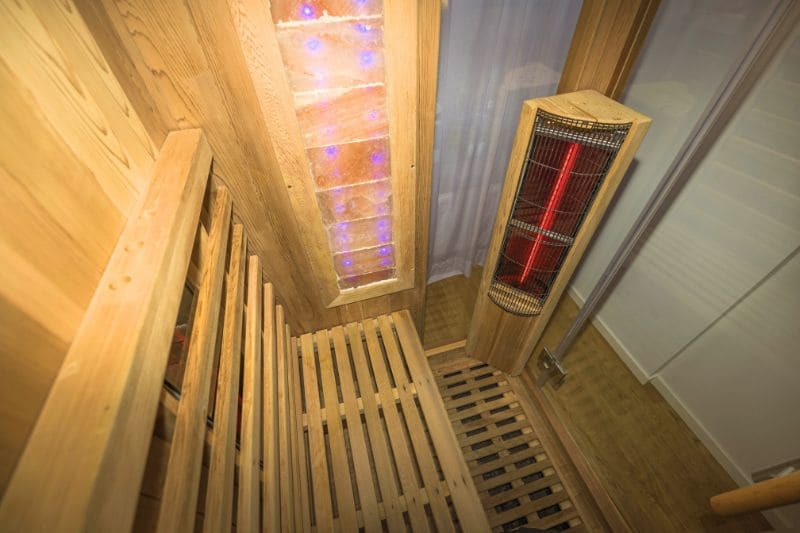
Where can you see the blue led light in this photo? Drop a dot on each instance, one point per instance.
(366, 58)
(306, 11)
(313, 44)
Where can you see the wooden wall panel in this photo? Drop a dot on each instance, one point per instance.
(606, 43)
(75, 157)
(195, 64)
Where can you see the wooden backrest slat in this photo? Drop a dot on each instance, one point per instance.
(247, 519)
(103, 402)
(219, 494)
(284, 437)
(271, 503)
(182, 483)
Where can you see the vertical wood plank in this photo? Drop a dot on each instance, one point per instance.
(284, 438)
(430, 477)
(341, 469)
(462, 489)
(323, 507)
(605, 45)
(181, 486)
(272, 497)
(429, 14)
(247, 518)
(369, 502)
(402, 454)
(219, 494)
(382, 454)
(302, 510)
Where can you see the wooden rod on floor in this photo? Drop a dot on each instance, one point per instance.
(767, 494)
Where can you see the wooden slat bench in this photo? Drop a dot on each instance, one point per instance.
(341, 429)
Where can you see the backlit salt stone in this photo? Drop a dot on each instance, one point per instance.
(355, 201)
(363, 233)
(366, 279)
(332, 55)
(310, 10)
(342, 115)
(349, 264)
(350, 163)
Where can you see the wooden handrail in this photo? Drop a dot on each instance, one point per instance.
(103, 402)
(767, 494)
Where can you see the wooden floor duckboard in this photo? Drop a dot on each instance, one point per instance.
(515, 477)
(374, 438)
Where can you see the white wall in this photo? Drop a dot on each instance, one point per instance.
(709, 309)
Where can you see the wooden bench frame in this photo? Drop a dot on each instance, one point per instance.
(97, 447)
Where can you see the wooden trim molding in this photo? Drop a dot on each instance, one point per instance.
(607, 40)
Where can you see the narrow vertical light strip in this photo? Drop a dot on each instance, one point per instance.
(553, 202)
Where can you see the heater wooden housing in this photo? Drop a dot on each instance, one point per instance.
(569, 156)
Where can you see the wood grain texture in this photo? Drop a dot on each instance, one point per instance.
(75, 160)
(205, 64)
(182, 484)
(502, 339)
(605, 45)
(219, 494)
(462, 489)
(249, 510)
(271, 502)
(67, 477)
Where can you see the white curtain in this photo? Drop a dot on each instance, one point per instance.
(494, 55)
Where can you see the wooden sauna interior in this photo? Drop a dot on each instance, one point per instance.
(215, 303)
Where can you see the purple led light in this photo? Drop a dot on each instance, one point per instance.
(384, 251)
(379, 156)
(306, 11)
(382, 224)
(331, 151)
(361, 28)
(313, 44)
(366, 58)
(386, 262)
(372, 115)
(347, 262)
(384, 237)
(340, 208)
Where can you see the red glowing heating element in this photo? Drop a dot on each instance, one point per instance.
(553, 202)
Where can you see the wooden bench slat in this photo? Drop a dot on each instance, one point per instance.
(416, 428)
(247, 518)
(462, 490)
(284, 424)
(271, 502)
(323, 506)
(380, 448)
(341, 469)
(179, 500)
(400, 450)
(363, 473)
(219, 494)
